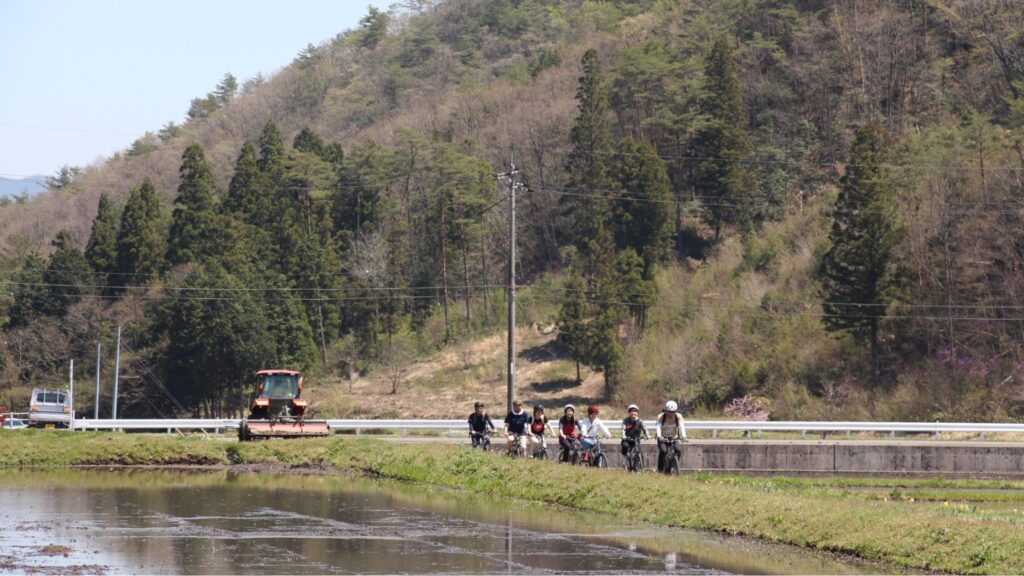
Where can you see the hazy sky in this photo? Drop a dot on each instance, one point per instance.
(80, 79)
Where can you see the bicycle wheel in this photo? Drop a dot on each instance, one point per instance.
(639, 462)
(673, 467)
(575, 458)
(600, 461)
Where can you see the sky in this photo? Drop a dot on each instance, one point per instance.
(82, 79)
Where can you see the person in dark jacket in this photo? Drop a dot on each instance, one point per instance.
(479, 423)
(632, 429)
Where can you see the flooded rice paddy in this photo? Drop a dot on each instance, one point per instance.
(217, 522)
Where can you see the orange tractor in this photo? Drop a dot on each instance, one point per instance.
(278, 410)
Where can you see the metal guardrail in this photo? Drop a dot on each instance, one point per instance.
(714, 426)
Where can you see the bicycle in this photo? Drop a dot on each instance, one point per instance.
(482, 440)
(541, 451)
(517, 450)
(635, 458)
(671, 464)
(596, 457)
(572, 455)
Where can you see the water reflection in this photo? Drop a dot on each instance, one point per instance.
(163, 521)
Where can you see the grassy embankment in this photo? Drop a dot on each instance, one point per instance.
(821, 514)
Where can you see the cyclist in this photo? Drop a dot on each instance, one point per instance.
(479, 423)
(592, 430)
(670, 427)
(515, 425)
(632, 429)
(539, 427)
(568, 430)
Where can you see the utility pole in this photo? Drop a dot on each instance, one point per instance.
(512, 173)
(71, 394)
(117, 372)
(96, 408)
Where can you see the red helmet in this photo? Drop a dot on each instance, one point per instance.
(592, 409)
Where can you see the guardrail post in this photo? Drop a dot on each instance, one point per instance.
(892, 434)
(714, 433)
(982, 435)
(359, 431)
(803, 434)
(847, 434)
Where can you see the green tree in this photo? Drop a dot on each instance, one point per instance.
(244, 199)
(643, 217)
(140, 244)
(272, 156)
(856, 271)
(373, 27)
(722, 179)
(193, 222)
(215, 344)
(30, 293)
(589, 182)
(226, 89)
(309, 141)
(101, 250)
(572, 322)
(67, 276)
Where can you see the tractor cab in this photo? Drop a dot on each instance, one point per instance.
(278, 395)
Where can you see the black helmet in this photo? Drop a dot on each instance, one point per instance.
(478, 405)
(538, 408)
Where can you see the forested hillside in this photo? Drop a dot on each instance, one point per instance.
(769, 208)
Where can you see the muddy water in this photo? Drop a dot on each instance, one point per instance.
(161, 521)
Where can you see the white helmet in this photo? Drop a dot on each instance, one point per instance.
(632, 407)
(569, 407)
(671, 406)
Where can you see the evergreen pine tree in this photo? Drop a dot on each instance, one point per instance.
(309, 141)
(587, 166)
(101, 250)
(67, 275)
(193, 222)
(722, 179)
(643, 224)
(244, 199)
(572, 322)
(30, 295)
(140, 245)
(855, 272)
(213, 344)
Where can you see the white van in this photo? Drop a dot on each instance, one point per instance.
(49, 409)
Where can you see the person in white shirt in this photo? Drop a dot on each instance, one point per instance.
(592, 430)
(670, 427)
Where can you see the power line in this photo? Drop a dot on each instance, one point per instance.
(286, 289)
(755, 160)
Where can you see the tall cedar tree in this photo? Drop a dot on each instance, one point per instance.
(589, 180)
(67, 276)
(30, 296)
(722, 179)
(101, 250)
(213, 344)
(855, 272)
(643, 218)
(586, 206)
(572, 322)
(140, 245)
(193, 223)
(244, 199)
